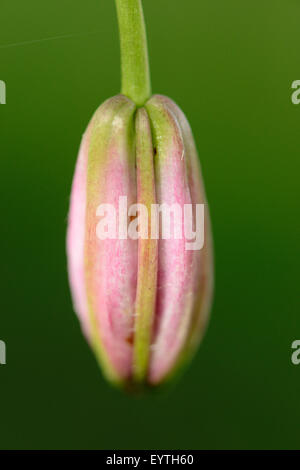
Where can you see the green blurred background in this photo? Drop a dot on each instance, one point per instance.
(230, 66)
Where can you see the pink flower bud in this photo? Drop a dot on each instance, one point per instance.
(142, 295)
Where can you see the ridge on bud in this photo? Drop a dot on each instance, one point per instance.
(143, 302)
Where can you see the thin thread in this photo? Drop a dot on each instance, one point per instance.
(53, 38)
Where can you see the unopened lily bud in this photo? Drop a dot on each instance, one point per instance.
(142, 295)
(139, 244)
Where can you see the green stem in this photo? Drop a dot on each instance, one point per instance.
(134, 52)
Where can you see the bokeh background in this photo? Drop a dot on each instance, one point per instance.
(230, 66)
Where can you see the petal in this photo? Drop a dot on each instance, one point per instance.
(204, 278)
(176, 266)
(147, 249)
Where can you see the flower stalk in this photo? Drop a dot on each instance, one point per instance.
(135, 72)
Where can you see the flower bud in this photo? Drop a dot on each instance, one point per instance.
(142, 292)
